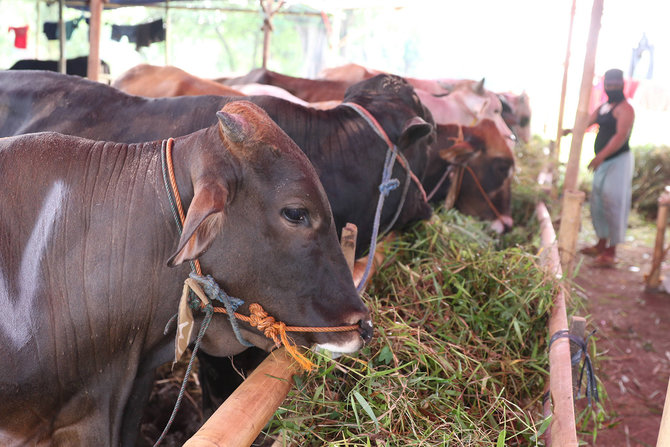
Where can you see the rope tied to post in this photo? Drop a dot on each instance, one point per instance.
(591, 383)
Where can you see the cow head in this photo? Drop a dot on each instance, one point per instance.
(486, 153)
(408, 124)
(260, 223)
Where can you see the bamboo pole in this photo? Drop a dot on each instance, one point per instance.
(93, 69)
(62, 60)
(239, 420)
(571, 217)
(564, 87)
(664, 432)
(167, 32)
(268, 12)
(572, 170)
(563, 427)
(37, 30)
(654, 276)
(348, 243)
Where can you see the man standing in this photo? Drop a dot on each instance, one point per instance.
(613, 170)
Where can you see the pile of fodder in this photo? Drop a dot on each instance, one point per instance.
(459, 355)
(652, 173)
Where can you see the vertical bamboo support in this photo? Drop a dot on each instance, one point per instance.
(93, 69)
(167, 32)
(62, 60)
(37, 29)
(654, 277)
(664, 432)
(563, 427)
(243, 415)
(569, 229)
(564, 87)
(581, 118)
(348, 244)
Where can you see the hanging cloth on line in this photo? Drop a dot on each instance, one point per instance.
(51, 29)
(141, 35)
(20, 36)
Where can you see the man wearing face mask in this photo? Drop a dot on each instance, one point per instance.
(612, 169)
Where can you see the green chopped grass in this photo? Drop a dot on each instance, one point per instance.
(459, 355)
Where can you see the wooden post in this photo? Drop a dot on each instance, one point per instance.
(37, 30)
(563, 427)
(62, 61)
(564, 87)
(572, 170)
(654, 276)
(348, 243)
(268, 12)
(167, 32)
(243, 415)
(664, 432)
(93, 69)
(571, 217)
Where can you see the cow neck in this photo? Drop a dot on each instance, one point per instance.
(379, 130)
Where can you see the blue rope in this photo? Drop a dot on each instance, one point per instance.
(214, 292)
(387, 185)
(209, 312)
(591, 384)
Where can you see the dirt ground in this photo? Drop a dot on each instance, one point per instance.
(632, 340)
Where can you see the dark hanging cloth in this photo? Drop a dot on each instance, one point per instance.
(141, 35)
(51, 29)
(20, 36)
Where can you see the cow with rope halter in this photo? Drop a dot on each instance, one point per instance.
(471, 169)
(85, 292)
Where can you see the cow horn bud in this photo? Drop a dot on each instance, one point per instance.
(233, 126)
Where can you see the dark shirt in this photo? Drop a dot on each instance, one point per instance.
(606, 130)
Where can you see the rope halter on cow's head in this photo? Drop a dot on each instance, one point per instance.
(207, 290)
(458, 170)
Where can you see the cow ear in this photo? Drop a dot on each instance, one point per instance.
(413, 130)
(203, 222)
(233, 126)
(459, 153)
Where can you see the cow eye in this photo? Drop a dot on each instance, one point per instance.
(523, 122)
(298, 216)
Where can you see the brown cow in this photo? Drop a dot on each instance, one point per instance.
(157, 82)
(486, 152)
(310, 90)
(85, 291)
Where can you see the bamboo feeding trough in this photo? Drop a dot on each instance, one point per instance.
(563, 430)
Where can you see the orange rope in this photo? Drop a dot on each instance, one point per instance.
(259, 318)
(481, 189)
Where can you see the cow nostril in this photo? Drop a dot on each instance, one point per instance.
(365, 330)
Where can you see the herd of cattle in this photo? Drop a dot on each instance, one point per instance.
(269, 167)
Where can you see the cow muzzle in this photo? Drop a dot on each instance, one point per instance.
(348, 342)
(502, 224)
